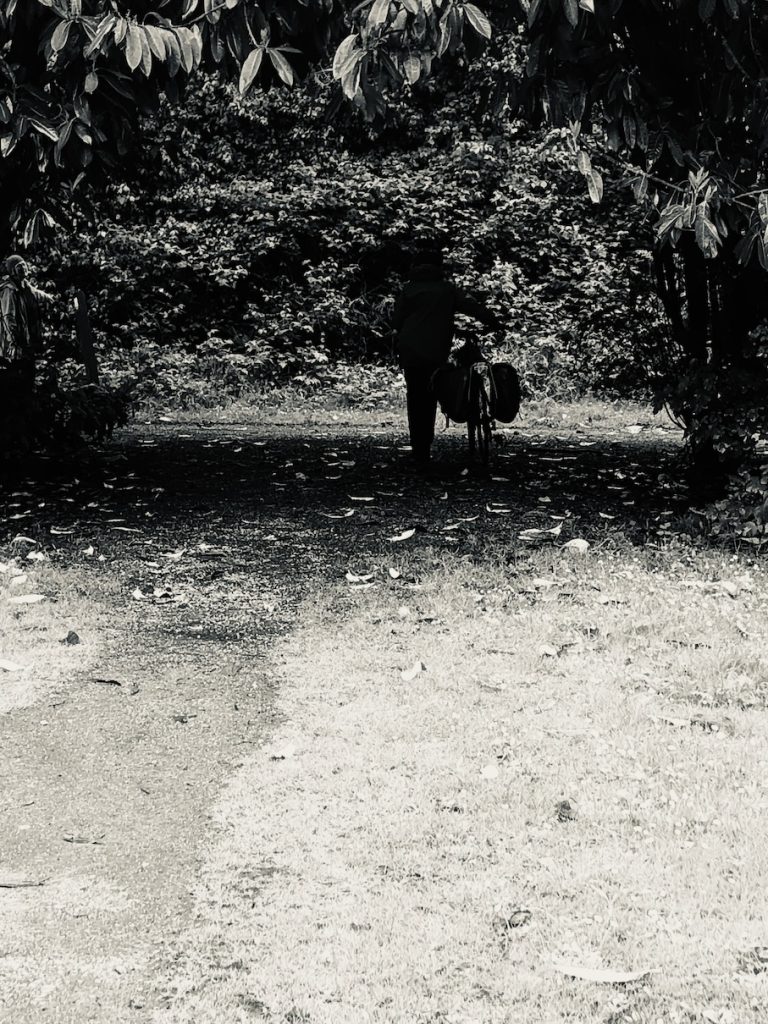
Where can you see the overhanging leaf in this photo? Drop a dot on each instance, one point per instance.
(133, 46)
(477, 20)
(281, 66)
(60, 36)
(250, 69)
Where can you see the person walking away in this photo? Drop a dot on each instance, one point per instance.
(423, 321)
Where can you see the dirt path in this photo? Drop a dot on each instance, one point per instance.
(107, 788)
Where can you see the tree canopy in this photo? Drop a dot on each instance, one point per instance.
(75, 75)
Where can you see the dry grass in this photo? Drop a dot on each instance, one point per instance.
(290, 405)
(407, 862)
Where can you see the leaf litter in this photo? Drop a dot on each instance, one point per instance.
(599, 975)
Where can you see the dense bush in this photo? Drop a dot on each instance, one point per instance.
(251, 243)
(62, 413)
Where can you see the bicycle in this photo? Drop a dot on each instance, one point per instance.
(472, 390)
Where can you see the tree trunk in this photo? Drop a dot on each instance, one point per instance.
(85, 338)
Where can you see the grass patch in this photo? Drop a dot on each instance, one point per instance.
(384, 405)
(578, 776)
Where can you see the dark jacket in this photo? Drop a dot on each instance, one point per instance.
(424, 318)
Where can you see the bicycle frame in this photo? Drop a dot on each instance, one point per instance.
(479, 422)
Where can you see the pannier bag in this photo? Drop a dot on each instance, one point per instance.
(505, 392)
(451, 386)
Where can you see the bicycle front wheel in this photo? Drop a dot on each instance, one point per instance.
(484, 432)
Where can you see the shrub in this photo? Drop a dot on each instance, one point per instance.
(247, 245)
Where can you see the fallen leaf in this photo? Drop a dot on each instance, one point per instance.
(678, 723)
(352, 577)
(601, 975)
(635, 428)
(20, 883)
(26, 599)
(405, 535)
(490, 771)
(106, 682)
(137, 595)
(548, 651)
(282, 753)
(70, 837)
(9, 666)
(338, 515)
(536, 534)
(395, 574)
(60, 531)
(408, 675)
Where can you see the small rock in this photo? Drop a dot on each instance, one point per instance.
(510, 917)
(565, 811)
(577, 546)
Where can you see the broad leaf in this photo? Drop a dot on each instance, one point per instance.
(477, 20)
(250, 69)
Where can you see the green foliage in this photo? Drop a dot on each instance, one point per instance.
(273, 251)
(730, 429)
(678, 89)
(61, 412)
(76, 75)
(742, 515)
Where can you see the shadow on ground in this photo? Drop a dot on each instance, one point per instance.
(342, 490)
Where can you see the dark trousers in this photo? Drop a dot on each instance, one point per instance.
(422, 409)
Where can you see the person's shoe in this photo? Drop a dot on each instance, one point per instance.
(421, 459)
